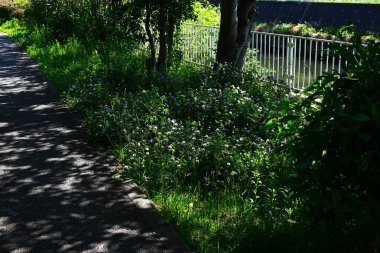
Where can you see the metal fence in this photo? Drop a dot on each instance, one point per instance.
(292, 60)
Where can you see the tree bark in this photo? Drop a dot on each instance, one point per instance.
(163, 52)
(235, 31)
(246, 12)
(170, 37)
(228, 32)
(152, 59)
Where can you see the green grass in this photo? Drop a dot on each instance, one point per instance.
(175, 154)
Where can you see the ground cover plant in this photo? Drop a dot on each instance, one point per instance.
(176, 136)
(234, 163)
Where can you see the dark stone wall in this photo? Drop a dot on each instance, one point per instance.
(365, 17)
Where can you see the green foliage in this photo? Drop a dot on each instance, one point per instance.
(89, 20)
(334, 135)
(206, 14)
(195, 140)
(9, 10)
(345, 33)
(5, 13)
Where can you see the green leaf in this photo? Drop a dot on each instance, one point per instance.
(269, 123)
(361, 117)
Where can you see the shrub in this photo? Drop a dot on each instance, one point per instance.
(89, 21)
(334, 135)
(206, 14)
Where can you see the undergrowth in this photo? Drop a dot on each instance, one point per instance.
(193, 138)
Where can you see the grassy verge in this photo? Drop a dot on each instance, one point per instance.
(194, 140)
(185, 137)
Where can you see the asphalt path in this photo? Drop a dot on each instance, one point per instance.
(56, 192)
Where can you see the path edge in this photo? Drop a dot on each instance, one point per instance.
(150, 213)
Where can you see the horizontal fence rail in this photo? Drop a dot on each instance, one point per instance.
(292, 60)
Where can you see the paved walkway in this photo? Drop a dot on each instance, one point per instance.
(55, 190)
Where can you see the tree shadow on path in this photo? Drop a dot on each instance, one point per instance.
(55, 190)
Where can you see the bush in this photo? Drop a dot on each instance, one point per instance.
(334, 135)
(206, 14)
(90, 21)
(5, 12)
(11, 10)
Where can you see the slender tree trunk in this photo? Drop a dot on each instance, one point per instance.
(163, 52)
(170, 37)
(246, 12)
(152, 59)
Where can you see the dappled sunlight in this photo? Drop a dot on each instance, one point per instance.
(56, 193)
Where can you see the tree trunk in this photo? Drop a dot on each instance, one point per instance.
(246, 12)
(152, 59)
(163, 53)
(228, 32)
(235, 31)
(170, 37)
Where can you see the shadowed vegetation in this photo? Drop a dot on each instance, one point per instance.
(233, 161)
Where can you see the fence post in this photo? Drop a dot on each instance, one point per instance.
(212, 43)
(290, 67)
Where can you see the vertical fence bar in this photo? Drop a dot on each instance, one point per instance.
(283, 58)
(291, 61)
(268, 54)
(278, 58)
(339, 64)
(252, 51)
(213, 43)
(261, 53)
(321, 59)
(294, 62)
(265, 54)
(299, 63)
(315, 59)
(257, 52)
(327, 57)
(311, 48)
(304, 63)
(333, 61)
(274, 56)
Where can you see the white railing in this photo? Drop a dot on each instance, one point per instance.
(292, 60)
